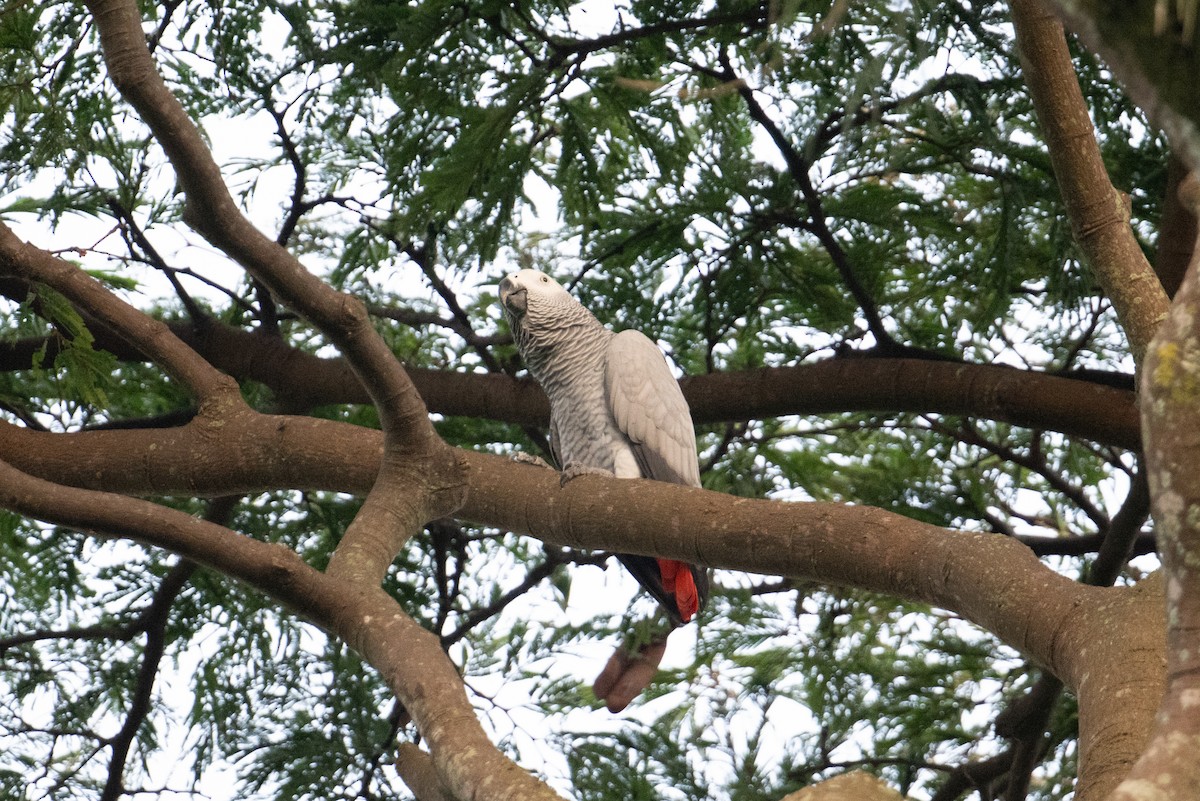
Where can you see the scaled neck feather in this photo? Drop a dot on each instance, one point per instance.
(557, 328)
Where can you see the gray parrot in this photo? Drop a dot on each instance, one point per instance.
(615, 409)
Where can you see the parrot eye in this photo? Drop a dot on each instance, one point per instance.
(545, 280)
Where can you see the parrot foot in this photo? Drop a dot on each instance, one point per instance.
(574, 470)
(529, 458)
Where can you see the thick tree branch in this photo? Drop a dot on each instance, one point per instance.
(1034, 400)
(829, 543)
(1151, 48)
(822, 542)
(139, 332)
(1176, 231)
(1171, 419)
(1099, 641)
(212, 211)
(1089, 637)
(409, 491)
(1098, 214)
(416, 769)
(409, 658)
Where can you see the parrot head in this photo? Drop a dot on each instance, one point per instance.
(541, 313)
(518, 289)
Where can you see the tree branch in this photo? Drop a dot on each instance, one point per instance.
(416, 769)
(1142, 543)
(1025, 721)
(1176, 230)
(1089, 637)
(1152, 50)
(409, 658)
(1121, 537)
(1082, 408)
(802, 540)
(138, 332)
(1171, 419)
(1100, 641)
(153, 623)
(423, 484)
(415, 319)
(135, 235)
(973, 776)
(1099, 218)
(1035, 463)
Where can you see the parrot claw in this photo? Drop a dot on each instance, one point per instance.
(528, 458)
(574, 470)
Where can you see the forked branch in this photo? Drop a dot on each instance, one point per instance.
(409, 658)
(419, 480)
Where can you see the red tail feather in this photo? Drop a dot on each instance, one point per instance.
(677, 579)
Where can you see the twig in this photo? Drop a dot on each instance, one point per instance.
(135, 235)
(799, 167)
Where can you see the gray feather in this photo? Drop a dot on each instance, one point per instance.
(648, 407)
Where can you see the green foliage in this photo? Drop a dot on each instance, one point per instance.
(389, 142)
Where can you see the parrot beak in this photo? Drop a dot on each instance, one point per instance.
(513, 296)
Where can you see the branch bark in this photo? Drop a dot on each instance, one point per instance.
(1150, 47)
(1152, 51)
(419, 480)
(142, 334)
(1098, 214)
(1074, 406)
(416, 769)
(1035, 400)
(1171, 417)
(409, 658)
(830, 543)
(1103, 642)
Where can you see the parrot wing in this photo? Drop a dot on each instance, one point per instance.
(648, 407)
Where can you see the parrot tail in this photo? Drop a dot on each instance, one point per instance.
(677, 580)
